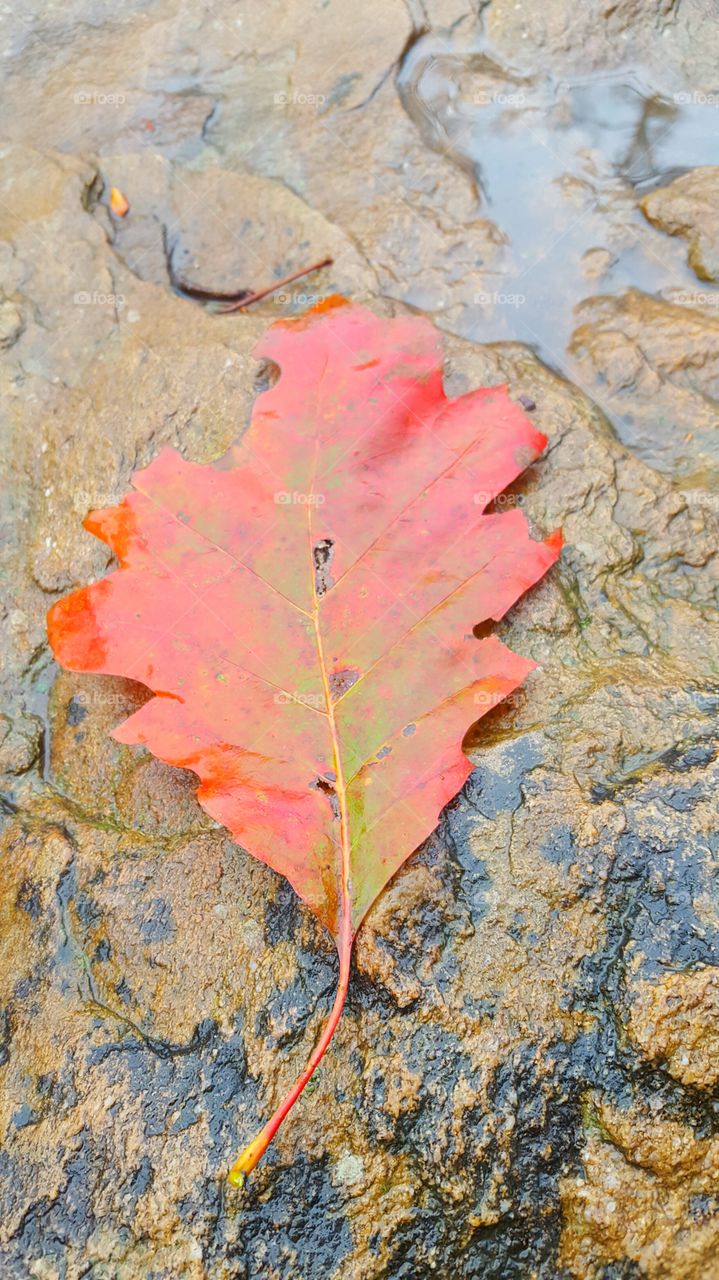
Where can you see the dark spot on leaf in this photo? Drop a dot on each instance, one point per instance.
(527, 403)
(341, 681)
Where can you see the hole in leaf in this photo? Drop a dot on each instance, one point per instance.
(321, 784)
(266, 377)
(323, 553)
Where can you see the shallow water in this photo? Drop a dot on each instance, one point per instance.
(559, 165)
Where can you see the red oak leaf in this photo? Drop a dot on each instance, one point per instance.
(303, 610)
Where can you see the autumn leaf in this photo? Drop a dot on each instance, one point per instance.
(119, 203)
(304, 610)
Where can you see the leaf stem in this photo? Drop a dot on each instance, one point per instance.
(255, 1150)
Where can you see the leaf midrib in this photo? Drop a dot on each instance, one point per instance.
(344, 935)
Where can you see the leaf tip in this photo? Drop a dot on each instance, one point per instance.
(252, 1154)
(555, 542)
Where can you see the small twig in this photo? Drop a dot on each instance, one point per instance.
(279, 284)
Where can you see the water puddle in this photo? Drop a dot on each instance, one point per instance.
(559, 166)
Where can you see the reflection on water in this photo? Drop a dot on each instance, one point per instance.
(559, 167)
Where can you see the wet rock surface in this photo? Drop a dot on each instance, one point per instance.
(524, 1083)
(689, 207)
(653, 365)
